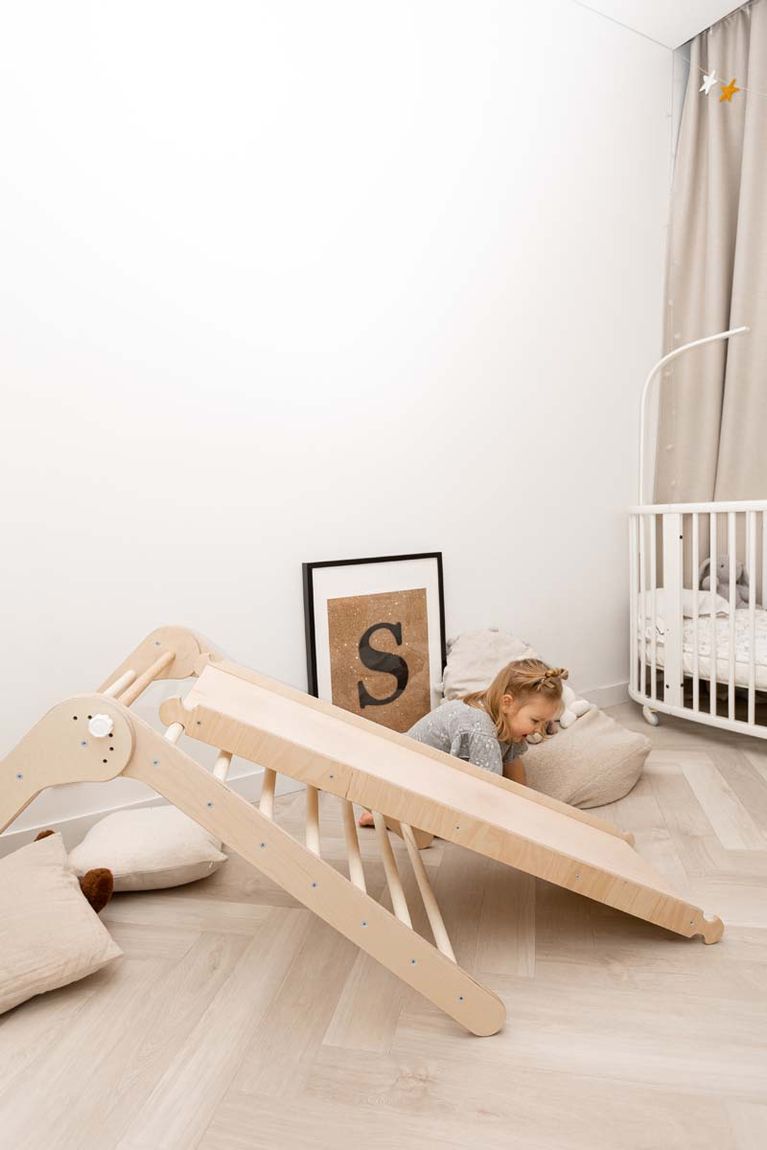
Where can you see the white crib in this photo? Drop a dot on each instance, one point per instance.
(686, 661)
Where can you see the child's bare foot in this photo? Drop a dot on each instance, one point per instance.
(366, 819)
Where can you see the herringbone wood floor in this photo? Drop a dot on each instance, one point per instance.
(237, 1020)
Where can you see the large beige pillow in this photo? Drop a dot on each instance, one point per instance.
(149, 848)
(594, 762)
(49, 935)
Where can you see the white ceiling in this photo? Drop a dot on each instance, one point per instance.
(670, 22)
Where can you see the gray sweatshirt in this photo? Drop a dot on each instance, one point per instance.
(468, 733)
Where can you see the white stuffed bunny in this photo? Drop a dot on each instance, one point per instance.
(572, 707)
(721, 580)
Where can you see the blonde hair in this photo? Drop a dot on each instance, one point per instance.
(523, 678)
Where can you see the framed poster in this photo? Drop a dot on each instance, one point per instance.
(375, 635)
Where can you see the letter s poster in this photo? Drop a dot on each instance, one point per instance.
(379, 656)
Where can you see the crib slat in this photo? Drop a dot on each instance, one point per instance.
(695, 612)
(751, 569)
(634, 634)
(672, 617)
(654, 599)
(642, 608)
(731, 670)
(712, 677)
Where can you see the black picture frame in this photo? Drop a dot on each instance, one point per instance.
(317, 580)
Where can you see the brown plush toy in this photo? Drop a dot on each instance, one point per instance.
(97, 885)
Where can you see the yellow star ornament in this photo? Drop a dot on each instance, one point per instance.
(728, 90)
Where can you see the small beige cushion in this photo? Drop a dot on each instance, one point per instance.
(149, 848)
(476, 657)
(49, 935)
(593, 762)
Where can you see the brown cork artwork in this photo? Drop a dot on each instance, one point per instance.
(379, 656)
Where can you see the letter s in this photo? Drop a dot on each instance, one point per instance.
(384, 662)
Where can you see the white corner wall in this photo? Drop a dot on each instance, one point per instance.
(287, 282)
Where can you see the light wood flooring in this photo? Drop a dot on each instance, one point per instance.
(238, 1020)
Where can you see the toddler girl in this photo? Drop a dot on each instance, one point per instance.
(489, 728)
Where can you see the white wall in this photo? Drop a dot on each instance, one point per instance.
(300, 281)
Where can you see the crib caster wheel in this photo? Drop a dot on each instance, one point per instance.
(650, 716)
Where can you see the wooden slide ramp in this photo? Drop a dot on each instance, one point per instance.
(328, 748)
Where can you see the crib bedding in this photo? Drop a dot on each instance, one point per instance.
(722, 635)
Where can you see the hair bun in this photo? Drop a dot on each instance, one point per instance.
(556, 673)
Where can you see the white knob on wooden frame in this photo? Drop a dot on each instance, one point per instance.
(100, 726)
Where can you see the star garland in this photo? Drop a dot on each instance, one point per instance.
(711, 80)
(728, 90)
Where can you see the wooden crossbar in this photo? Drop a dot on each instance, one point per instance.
(313, 820)
(431, 906)
(393, 881)
(139, 685)
(266, 802)
(356, 869)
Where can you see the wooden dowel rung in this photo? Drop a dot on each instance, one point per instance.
(266, 802)
(144, 680)
(222, 765)
(313, 820)
(120, 684)
(398, 900)
(431, 906)
(174, 732)
(356, 870)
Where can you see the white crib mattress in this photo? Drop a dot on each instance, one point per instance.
(742, 647)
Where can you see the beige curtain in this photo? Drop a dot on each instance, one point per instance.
(712, 431)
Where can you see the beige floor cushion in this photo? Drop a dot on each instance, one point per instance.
(593, 762)
(49, 935)
(149, 848)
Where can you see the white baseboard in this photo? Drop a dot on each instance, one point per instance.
(607, 696)
(74, 829)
